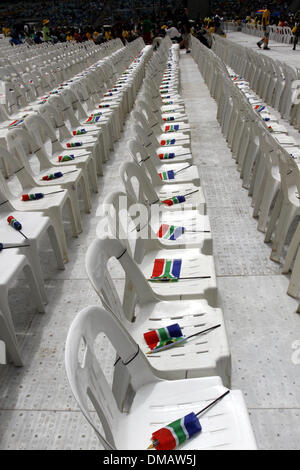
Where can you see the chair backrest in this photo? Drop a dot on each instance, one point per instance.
(145, 193)
(5, 193)
(24, 144)
(55, 118)
(87, 379)
(289, 173)
(146, 160)
(42, 131)
(72, 100)
(98, 255)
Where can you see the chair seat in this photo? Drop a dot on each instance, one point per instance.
(53, 200)
(224, 426)
(187, 173)
(166, 107)
(193, 265)
(182, 154)
(174, 117)
(285, 139)
(33, 225)
(192, 201)
(204, 355)
(66, 178)
(178, 136)
(197, 232)
(182, 127)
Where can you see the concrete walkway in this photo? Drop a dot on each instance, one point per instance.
(281, 52)
(37, 409)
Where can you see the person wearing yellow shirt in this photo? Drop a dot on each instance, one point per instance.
(108, 35)
(265, 25)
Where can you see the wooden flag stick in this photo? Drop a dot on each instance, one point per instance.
(212, 403)
(178, 171)
(12, 246)
(175, 279)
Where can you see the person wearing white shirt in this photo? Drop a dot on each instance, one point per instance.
(174, 34)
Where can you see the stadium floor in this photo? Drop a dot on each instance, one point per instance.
(37, 409)
(281, 52)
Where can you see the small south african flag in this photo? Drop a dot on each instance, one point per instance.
(169, 232)
(93, 119)
(156, 339)
(65, 158)
(166, 103)
(174, 200)
(79, 132)
(259, 108)
(167, 175)
(73, 144)
(171, 118)
(15, 123)
(167, 142)
(176, 433)
(172, 128)
(166, 269)
(166, 156)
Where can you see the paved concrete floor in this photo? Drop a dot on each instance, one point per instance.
(37, 409)
(281, 52)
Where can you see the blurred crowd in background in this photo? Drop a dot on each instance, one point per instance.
(101, 20)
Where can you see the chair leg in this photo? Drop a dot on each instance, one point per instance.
(57, 222)
(98, 158)
(7, 335)
(258, 178)
(86, 193)
(283, 226)
(76, 217)
(34, 288)
(274, 216)
(92, 170)
(258, 197)
(292, 250)
(269, 193)
(248, 163)
(53, 237)
(294, 285)
(5, 309)
(33, 256)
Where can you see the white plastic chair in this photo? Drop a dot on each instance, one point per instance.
(52, 205)
(156, 403)
(24, 146)
(183, 172)
(155, 195)
(12, 264)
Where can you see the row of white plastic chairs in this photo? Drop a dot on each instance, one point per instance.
(88, 85)
(21, 84)
(170, 233)
(267, 157)
(266, 189)
(275, 82)
(25, 53)
(282, 34)
(49, 164)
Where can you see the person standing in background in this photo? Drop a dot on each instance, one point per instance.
(186, 33)
(265, 25)
(296, 29)
(46, 31)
